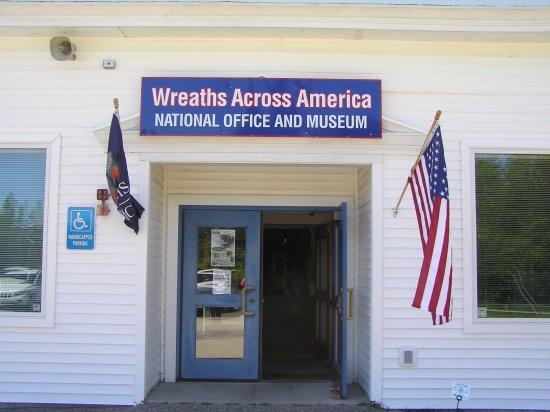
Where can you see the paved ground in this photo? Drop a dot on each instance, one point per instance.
(187, 407)
(217, 408)
(230, 397)
(233, 397)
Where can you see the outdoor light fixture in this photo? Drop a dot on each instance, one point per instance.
(102, 208)
(62, 48)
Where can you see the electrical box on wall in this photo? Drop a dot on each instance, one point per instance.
(109, 64)
(407, 356)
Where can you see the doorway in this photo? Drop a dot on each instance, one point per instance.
(297, 299)
(284, 318)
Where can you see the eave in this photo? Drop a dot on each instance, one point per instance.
(350, 21)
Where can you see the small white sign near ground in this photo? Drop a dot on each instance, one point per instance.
(462, 390)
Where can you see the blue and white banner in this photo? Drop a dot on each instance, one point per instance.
(182, 106)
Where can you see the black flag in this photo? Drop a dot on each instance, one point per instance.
(118, 180)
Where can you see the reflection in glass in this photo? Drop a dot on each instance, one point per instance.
(513, 235)
(220, 333)
(22, 192)
(221, 260)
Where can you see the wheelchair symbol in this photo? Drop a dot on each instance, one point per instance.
(79, 223)
(81, 220)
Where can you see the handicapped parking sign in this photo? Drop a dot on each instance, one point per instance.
(80, 228)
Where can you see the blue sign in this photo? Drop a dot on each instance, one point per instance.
(181, 106)
(80, 228)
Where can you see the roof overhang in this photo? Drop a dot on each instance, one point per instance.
(353, 21)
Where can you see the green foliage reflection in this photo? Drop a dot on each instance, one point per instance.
(513, 235)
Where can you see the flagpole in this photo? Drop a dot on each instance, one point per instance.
(427, 141)
(115, 103)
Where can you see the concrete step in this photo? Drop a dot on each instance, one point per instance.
(254, 393)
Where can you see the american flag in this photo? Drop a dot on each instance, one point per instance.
(430, 190)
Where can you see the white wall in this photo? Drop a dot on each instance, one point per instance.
(485, 90)
(509, 370)
(88, 356)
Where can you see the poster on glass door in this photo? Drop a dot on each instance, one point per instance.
(222, 247)
(221, 284)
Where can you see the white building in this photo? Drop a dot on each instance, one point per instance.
(100, 326)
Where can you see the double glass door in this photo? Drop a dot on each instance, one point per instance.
(220, 323)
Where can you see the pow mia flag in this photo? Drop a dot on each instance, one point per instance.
(117, 178)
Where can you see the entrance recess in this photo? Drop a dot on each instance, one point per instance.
(221, 268)
(222, 284)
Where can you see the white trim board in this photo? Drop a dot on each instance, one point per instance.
(52, 144)
(377, 285)
(141, 284)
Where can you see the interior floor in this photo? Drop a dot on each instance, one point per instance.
(295, 338)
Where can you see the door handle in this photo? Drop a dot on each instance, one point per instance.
(339, 298)
(243, 300)
(350, 304)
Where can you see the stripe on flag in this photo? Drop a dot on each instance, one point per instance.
(430, 192)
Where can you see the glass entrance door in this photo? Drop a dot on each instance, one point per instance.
(341, 293)
(220, 305)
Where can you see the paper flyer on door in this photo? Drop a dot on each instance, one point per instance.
(222, 247)
(221, 284)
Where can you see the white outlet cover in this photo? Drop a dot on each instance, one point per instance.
(402, 351)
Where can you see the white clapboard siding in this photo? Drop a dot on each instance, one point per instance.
(364, 278)
(155, 256)
(88, 356)
(504, 371)
(494, 365)
(260, 180)
(485, 90)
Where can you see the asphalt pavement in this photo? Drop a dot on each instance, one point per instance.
(146, 407)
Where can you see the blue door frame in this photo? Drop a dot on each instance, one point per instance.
(191, 217)
(341, 284)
